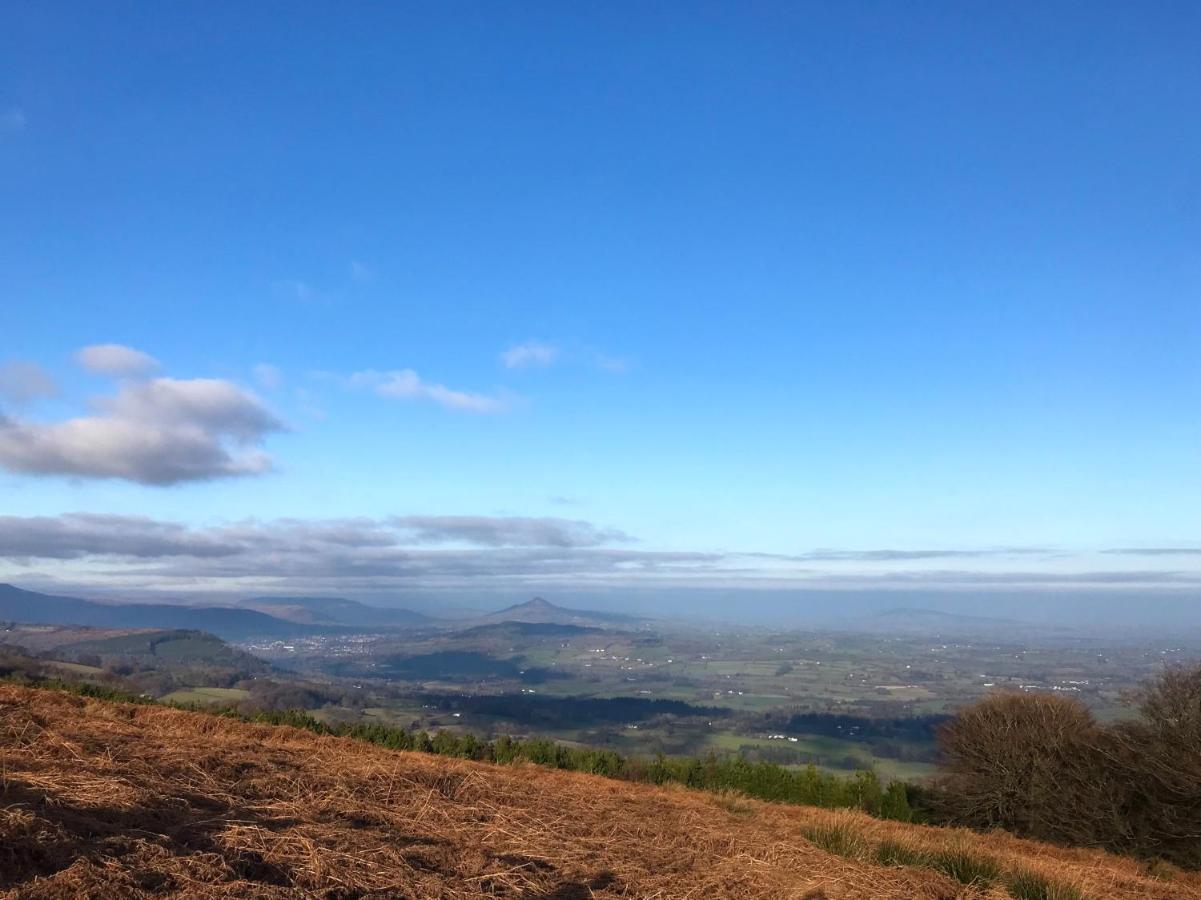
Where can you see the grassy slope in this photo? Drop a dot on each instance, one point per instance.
(103, 799)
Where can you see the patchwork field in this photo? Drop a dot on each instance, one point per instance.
(744, 686)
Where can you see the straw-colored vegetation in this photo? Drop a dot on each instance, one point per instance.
(105, 799)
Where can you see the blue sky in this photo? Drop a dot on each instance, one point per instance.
(777, 279)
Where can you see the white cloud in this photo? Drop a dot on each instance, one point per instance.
(542, 354)
(294, 289)
(530, 354)
(162, 431)
(353, 543)
(308, 403)
(613, 364)
(508, 531)
(116, 359)
(406, 384)
(479, 552)
(268, 377)
(473, 555)
(361, 273)
(22, 381)
(12, 121)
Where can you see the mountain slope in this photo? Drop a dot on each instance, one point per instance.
(334, 610)
(103, 799)
(542, 612)
(19, 605)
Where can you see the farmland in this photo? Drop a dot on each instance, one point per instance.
(737, 692)
(840, 701)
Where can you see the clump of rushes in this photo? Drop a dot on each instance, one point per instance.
(892, 853)
(1028, 885)
(839, 838)
(965, 866)
(977, 869)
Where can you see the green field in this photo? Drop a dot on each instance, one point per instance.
(74, 668)
(206, 696)
(826, 748)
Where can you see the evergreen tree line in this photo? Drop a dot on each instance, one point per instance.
(547, 712)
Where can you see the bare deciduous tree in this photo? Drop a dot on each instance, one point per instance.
(1041, 765)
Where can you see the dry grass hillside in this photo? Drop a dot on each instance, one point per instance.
(110, 800)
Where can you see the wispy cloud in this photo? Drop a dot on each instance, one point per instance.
(544, 354)
(888, 555)
(405, 384)
(962, 578)
(294, 289)
(612, 364)
(75, 535)
(116, 359)
(1155, 551)
(508, 531)
(268, 377)
(361, 273)
(531, 354)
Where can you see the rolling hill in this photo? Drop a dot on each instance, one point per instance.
(107, 799)
(18, 605)
(146, 647)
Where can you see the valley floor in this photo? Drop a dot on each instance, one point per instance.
(113, 800)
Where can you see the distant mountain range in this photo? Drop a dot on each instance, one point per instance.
(911, 614)
(272, 616)
(18, 605)
(933, 622)
(334, 611)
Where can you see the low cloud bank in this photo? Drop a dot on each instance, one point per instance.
(476, 555)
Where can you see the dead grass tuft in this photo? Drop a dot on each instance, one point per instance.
(734, 802)
(965, 864)
(895, 853)
(840, 837)
(1025, 884)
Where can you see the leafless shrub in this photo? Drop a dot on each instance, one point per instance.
(1040, 765)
